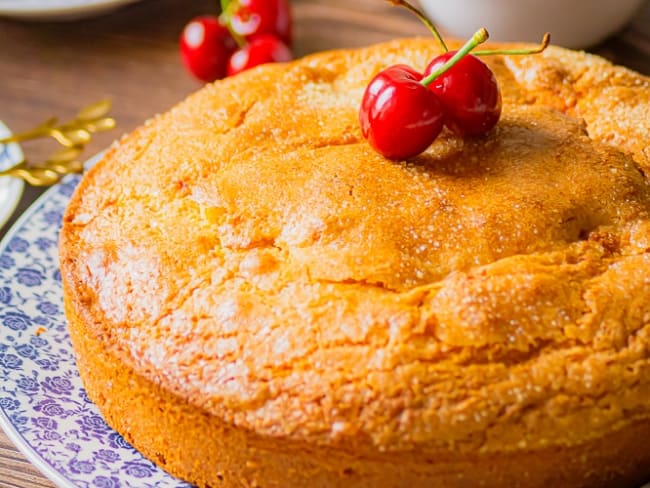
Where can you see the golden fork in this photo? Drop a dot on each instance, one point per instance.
(73, 135)
(75, 132)
(59, 164)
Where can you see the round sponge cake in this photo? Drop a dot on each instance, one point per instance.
(258, 299)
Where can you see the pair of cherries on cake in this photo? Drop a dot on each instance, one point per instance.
(403, 110)
(247, 33)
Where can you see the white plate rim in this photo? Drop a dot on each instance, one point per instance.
(5, 424)
(14, 186)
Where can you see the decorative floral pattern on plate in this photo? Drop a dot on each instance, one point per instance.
(43, 405)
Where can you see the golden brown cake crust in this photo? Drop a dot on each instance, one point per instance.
(248, 253)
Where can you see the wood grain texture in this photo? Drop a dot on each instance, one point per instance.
(131, 57)
(16, 471)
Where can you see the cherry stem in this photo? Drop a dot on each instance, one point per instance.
(479, 37)
(227, 7)
(536, 50)
(424, 19)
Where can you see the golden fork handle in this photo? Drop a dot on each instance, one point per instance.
(65, 168)
(73, 135)
(91, 118)
(34, 176)
(46, 175)
(66, 136)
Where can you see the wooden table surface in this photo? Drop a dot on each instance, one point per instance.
(131, 57)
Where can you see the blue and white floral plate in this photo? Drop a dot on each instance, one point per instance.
(44, 409)
(10, 188)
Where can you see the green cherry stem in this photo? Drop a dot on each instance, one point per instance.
(479, 37)
(536, 50)
(227, 7)
(424, 19)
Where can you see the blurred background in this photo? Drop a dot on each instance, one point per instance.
(131, 55)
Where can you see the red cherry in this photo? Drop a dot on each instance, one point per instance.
(469, 94)
(262, 49)
(250, 18)
(206, 46)
(400, 116)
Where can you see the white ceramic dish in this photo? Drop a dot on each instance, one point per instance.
(11, 189)
(572, 23)
(58, 9)
(44, 409)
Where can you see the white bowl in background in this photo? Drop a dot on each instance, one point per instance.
(53, 10)
(572, 23)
